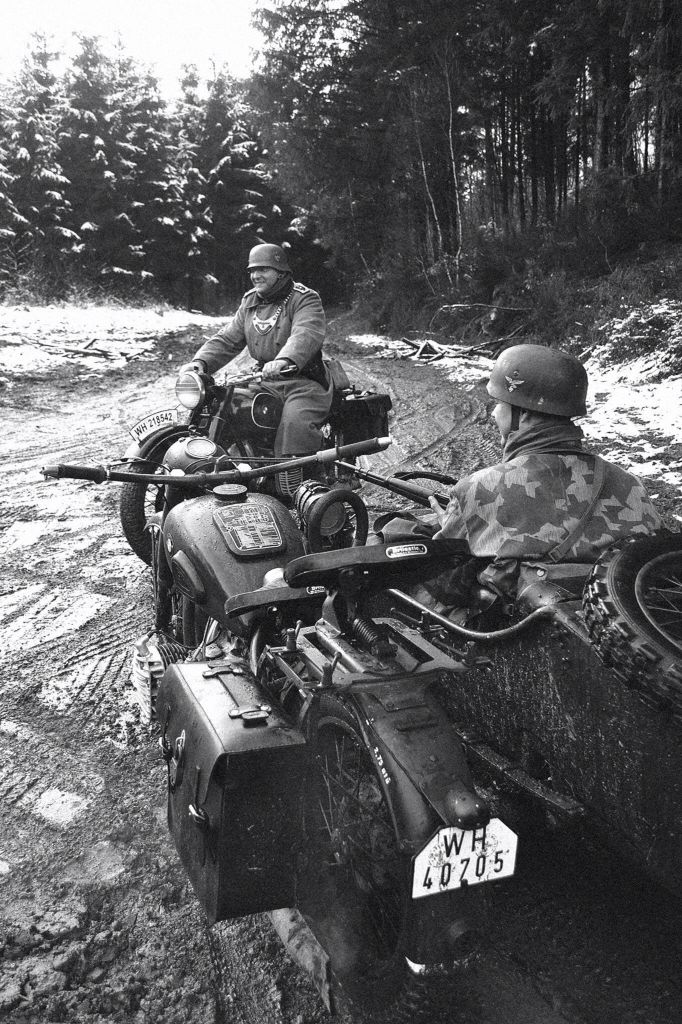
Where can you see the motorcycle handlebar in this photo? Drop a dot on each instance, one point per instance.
(98, 474)
(250, 377)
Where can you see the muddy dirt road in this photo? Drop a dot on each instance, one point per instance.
(98, 923)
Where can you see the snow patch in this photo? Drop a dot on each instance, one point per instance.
(639, 415)
(59, 807)
(38, 338)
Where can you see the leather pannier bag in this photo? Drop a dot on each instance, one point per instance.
(360, 415)
(237, 773)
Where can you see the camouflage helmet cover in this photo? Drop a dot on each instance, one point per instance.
(267, 255)
(540, 379)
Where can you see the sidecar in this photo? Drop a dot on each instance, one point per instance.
(581, 709)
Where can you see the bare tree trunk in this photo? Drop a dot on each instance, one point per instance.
(549, 169)
(578, 141)
(520, 181)
(504, 152)
(661, 150)
(427, 188)
(645, 154)
(355, 229)
(453, 167)
(490, 170)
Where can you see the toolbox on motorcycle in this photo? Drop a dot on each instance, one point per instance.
(236, 777)
(359, 415)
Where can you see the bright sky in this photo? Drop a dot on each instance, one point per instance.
(162, 33)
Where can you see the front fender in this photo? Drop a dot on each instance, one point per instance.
(163, 437)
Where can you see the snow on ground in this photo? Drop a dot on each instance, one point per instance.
(37, 338)
(637, 415)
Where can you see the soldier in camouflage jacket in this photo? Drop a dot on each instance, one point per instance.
(282, 324)
(549, 499)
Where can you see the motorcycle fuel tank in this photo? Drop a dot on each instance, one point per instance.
(223, 543)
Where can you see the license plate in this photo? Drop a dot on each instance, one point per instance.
(454, 858)
(150, 424)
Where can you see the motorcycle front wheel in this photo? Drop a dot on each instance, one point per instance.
(356, 887)
(139, 502)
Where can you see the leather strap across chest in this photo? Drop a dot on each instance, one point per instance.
(560, 550)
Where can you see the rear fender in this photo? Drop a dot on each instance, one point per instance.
(420, 760)
(427, 783)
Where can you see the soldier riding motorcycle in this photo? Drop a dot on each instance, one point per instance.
(238, 418)
(295, 403)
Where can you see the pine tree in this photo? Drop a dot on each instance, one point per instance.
(43, 239)
(230, 156)
(181, 229)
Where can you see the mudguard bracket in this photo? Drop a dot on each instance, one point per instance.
(565, 807)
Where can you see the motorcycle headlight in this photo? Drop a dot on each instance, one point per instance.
(190, 390)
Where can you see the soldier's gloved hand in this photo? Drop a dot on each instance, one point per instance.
(198, 365)
(441, 513)
(275, 368)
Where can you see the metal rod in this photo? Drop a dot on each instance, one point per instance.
(546, 612)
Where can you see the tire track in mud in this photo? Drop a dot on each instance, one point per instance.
(95, 686)
(47, 617)
(34, 787)
(421, 410)
(92, 684)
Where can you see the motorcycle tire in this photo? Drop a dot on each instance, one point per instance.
(355, 891)
(633, 608)
(138, 502)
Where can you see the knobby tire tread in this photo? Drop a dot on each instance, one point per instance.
(628, 647)
(131, 502)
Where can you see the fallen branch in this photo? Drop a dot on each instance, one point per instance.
(483, 305)
(72, 350)
(494, 345)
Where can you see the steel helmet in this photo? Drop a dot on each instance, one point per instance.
(540, 379)
(266, 255)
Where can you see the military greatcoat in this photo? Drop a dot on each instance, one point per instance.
(292, 328)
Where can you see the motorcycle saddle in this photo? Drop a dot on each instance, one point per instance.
(356, 568)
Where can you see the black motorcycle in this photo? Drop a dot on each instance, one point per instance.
(312, 770)
(239, 419)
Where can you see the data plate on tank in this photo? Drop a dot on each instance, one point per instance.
(455, 858)
(249, 530)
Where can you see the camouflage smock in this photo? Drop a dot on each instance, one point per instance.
(521, 508)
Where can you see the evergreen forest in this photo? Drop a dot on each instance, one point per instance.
(409, 152)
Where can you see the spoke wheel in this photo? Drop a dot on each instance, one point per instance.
(355, 889)
(658, 589)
